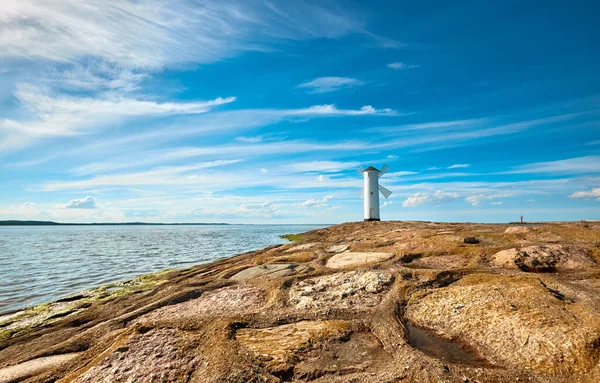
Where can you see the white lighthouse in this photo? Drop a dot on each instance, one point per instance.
(371, 191)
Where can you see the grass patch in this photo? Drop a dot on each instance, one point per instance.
(293, 237)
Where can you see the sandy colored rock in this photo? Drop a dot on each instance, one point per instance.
(351, 289)
(337, 248)
(350, 259)
(152, 357)
(33, 367)
(224, 301)
(505, 258)
(441, 262)
(270, 271)
(514, 321)
(279, 343)
(299, 257)
(304, 246)
(544, 258)
(517, 230)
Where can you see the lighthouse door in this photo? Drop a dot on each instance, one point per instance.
(371, 213)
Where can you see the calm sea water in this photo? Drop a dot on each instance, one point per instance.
(43, 263)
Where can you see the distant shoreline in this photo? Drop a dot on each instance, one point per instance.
(52, 223)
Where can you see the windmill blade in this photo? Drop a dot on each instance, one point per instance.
(361, 193)
(360, 170)
(384, 169)
(386, 193)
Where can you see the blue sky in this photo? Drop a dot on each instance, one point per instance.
(261, 112)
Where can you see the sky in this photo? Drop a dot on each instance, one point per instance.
(247, 111)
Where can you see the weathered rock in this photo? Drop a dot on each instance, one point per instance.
(304, 246)
(301, 256)
(544, 258)
(224, 301)
(513, 321)
(440, 262)
(277, 344)
(361, 351)
(155, 356)
(505, 258)
(270, 271)
(33, 367)
(349, 259)
(337, 248)
(351, 289)
(517, 230)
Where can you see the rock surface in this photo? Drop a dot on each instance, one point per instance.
(230, 300)
(270, 271)
(350, 259)
(410, 302)
(545, 258)
(278, 344)
(351, 289)
(152, 357)
(517, 230)
(514, 321)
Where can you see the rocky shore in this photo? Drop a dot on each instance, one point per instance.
(357, 302)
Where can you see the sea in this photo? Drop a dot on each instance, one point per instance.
(40, 264)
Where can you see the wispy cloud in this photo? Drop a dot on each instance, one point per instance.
(436, 198)
(321, 166)
(438, 125)
(594, 193)
(330, 84)
(61, 115)
(578, 165)
(160, 33)
(476, 199)
(314, 202)
(459, 166)
(401, 66)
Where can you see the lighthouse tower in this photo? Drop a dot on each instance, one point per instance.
(371, 194)
(371, 191)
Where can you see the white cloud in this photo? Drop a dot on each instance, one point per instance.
(400, 66)
(587, 164)
(322, 178)
(321, 166)
(248, 139)
(262, 209)
(157, 34)
(496, 203)
(436, 198)
(264, 170)
(314, 202)
(400, 174)
(331, 110)
(28, 205)
(459, 166)
(457, 132)
(67, 115)
(594, 193)
(387, 203)
(392, 156)
(330, 84)
(476, 199)
(83, 203)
